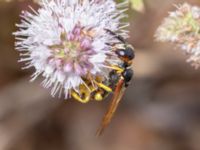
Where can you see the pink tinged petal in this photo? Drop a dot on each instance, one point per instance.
(90, 52)
(83, 58)
(58, 63)
(86, 43)
(68, 67)
(84, 71)
(77, 31)
(84, 62)
(51, 61)
(70, 36)
(78, 69)
(87, 65)
(77, 38)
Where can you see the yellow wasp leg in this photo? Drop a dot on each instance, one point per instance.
(103, 86)
(118, 69)
(84, 100)
(98, 96)
(83, 91)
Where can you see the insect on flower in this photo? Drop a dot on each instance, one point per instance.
(78, 47)
(120, 76)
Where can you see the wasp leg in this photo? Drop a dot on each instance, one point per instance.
(100, 93)
(84, 96)
(98, 96)
(116, 68)
(84, 100)
(103, 86)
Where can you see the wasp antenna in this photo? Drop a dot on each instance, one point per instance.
(119, 37)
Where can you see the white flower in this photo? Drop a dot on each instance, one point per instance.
(65, 40)
(182, 27)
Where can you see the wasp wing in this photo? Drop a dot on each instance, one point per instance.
(119, 92)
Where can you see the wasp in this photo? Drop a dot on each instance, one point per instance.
(119, 79)
(122, 74)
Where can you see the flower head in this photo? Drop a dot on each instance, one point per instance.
(66, 41)
(182, 27)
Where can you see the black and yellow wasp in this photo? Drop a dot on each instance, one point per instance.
(119, 79)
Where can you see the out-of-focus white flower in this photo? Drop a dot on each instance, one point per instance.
(65, 41)
(182, 27)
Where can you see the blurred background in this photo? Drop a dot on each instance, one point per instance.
(160, 110)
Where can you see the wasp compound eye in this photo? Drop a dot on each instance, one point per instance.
(120, 52)
(128, 53)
